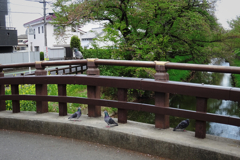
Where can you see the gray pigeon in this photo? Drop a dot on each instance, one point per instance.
(76, 114)
(182, 125)
(108, 119)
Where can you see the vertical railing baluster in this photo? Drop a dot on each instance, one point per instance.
(15, 103)
(200, 130)
(57, 70)
(41, 89)
(81, 69)
(2, 92)
(122, 113)
(76, 70)
(63, 71)
(93, 91)
(70, 69)
(161, 98)
(62, 105)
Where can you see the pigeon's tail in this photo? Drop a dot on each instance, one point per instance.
(174, 129)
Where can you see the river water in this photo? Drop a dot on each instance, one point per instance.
(221, 107)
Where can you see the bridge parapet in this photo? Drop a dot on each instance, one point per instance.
(161, 86)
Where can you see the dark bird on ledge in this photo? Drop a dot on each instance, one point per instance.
(182, 125)
(108, 119)
(76, 115)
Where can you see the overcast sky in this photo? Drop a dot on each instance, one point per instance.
(23, 11)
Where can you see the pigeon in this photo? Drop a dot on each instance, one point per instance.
(76, 114)
(182, 125)
(108, 119)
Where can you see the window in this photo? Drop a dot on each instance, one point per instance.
(42, 29)
(20, 40)
(38, 30)
(34, 36)
(22, 48)
(36, 48)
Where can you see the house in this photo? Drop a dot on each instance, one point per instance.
(8, 34)
(87, 40)
(22, 42)
(36, 41)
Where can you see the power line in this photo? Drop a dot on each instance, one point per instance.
(21, 12)
(24, 5)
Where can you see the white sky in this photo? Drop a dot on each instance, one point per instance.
(225, 10)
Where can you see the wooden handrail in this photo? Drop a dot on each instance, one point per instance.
(151, 64)
(184, 88)
(160, 85)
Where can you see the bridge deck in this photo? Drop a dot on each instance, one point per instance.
(29, 146)
(134, 136)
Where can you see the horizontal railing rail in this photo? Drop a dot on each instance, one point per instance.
(160, 85)
(151, 64)
(183, 88)
(131, 106)
(57, 69)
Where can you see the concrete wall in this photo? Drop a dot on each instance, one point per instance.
(18, 57)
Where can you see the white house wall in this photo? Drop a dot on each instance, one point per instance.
(39, 40)
(65, 39)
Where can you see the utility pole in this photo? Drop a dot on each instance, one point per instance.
(45, 28)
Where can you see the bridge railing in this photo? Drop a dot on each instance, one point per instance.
(160, 85)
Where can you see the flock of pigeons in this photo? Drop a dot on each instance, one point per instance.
(181, 126)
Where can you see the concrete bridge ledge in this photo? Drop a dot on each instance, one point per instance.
(133, 136)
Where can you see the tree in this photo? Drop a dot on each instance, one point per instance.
(149, 30)
(75, 43)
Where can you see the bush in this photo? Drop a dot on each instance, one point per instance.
(75, 43)
(41, 56)
(98, 53)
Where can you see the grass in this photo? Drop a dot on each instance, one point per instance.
(72, 90)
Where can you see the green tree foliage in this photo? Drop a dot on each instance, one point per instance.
(233, 36)
(148, 30)
(75, 43)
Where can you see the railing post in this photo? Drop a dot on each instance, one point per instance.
(62, 105)
(200, 131)
(93, 91)
(2, 92)
(161, 98)
(15, 103)
(76, 70)
(63, 71)
(41, 89)
(122, 113)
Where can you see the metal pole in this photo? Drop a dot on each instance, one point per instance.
(29, 51)
(45, 31)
